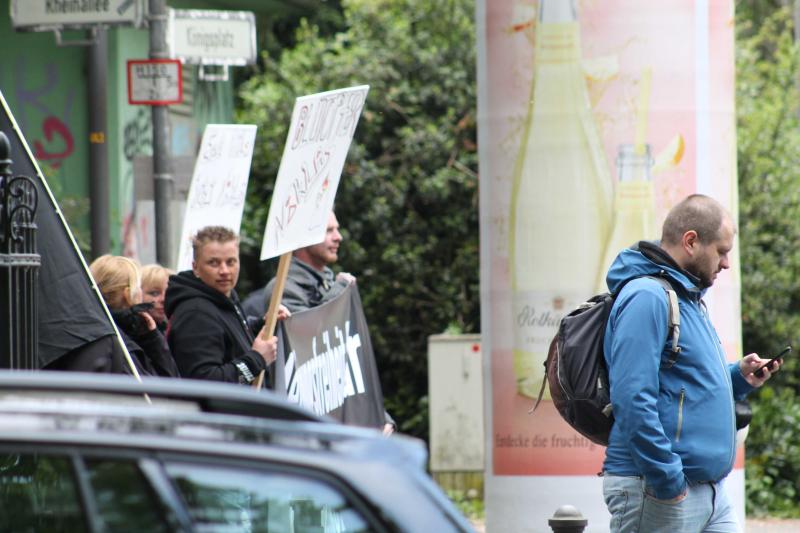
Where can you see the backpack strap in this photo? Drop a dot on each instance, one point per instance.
(673, 318)
(553, 345)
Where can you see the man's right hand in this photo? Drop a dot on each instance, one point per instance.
(677, 499)
(346, 277)
(267, 348)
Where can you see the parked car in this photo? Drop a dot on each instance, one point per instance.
(89, 452)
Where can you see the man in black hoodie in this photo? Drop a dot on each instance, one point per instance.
(208, 333)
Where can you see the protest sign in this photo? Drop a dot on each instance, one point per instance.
(319, 136)
(326, 363)
(219, 183)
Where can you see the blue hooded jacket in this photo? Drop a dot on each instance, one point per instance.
(671, 425)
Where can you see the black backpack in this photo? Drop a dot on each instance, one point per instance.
(575, 367)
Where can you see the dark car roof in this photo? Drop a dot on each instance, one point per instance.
(67, 409)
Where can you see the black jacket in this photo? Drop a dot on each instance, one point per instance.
(208, 334)
(148, 348)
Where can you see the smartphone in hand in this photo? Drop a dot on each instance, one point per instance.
(760, 372)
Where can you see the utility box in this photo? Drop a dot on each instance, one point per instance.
(455, 392)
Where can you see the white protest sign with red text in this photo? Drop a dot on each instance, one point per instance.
(319, 137)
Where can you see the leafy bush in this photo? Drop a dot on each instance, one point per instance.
(469, 503)
(772, 468)
(769, 190)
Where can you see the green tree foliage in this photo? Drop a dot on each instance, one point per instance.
(768, 159)
(408, 197)
(768, 156)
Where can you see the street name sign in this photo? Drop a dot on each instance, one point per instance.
(208, 37)
(45, 15)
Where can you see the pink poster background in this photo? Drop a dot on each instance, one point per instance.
(691, 94)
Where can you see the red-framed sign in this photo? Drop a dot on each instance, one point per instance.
(155, 81)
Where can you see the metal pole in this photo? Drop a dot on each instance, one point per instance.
(163, 180)
(97, 57)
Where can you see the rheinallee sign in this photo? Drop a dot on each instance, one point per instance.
(595, 119)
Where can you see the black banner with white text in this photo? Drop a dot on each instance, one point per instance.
(326, 363)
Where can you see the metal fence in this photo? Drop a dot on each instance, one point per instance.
(19, 266)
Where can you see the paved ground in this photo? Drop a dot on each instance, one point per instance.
(768, 525)
(772, 525)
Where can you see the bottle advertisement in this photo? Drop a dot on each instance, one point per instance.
(595, 118)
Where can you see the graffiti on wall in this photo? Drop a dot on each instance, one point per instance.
(45, 109)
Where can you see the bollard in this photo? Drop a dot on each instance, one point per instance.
(567, 519)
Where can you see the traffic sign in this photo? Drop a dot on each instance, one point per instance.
(154, 82)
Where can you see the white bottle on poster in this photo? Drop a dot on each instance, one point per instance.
(634, 205)
(561, 196)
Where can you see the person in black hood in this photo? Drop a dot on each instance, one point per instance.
(119, 281)
(207, 331)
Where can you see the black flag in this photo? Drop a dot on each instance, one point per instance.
(70, 313)
(326, 363)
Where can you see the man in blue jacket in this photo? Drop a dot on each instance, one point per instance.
(673, 438)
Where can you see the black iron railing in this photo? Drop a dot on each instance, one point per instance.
(19, 266)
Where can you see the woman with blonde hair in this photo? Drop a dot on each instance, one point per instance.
(119, 281)
(154, 286)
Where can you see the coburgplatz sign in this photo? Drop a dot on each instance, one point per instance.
(39, 15)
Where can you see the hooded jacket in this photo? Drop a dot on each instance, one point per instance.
(147, 347)
(306, 287)
(208, 334)
(674, 425)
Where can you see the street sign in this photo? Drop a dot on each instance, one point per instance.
(154, 82)
(206, 37)
(46, 15)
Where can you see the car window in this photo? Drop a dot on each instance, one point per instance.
(234, 499)
(39, 493)
(124, 500)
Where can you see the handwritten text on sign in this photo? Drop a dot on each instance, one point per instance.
(319, 137)
(219, 183)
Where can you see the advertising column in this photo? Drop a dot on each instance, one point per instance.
(595, 118)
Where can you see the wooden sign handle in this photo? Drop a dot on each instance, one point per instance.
(277, 294)
(272, 312)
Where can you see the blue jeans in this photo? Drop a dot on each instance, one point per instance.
(706, 508)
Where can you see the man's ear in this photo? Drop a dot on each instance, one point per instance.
(690, 241)
(194, 267)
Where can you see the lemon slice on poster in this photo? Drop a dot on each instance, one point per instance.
(602, 68)
(670, 156)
